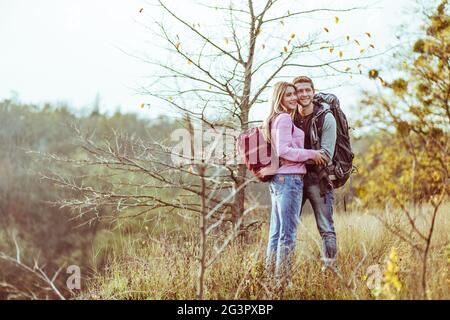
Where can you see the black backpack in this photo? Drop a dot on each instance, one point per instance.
(342, 164)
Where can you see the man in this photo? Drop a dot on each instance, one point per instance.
(317, 186)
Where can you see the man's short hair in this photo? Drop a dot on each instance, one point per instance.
(304, 79)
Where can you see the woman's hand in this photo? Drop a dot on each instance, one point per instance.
(267, 171)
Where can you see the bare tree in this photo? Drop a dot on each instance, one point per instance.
(218, 74)
(139, 179)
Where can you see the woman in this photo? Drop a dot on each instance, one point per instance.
(286, 188)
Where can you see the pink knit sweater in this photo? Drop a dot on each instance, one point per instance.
(289, 145)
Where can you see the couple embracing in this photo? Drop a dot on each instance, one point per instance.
(304, 151)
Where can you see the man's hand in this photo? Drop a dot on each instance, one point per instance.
(320, 158)
(284, 161)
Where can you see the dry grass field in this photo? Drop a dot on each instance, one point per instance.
(373, 264)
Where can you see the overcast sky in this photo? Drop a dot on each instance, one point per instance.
(56, 50)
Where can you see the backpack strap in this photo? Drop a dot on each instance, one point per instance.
(316, 127)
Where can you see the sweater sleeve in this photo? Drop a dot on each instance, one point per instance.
(328, 140)
(282, 141)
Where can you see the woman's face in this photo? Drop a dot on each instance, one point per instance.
(289, 100)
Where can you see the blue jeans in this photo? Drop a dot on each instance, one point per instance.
(323, 212)
(286, 194)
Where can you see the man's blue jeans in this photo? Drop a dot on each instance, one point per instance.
(323, 212)
(286, 194)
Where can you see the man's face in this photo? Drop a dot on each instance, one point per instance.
(305, 93)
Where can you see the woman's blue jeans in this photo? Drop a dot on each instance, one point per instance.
(286, 192)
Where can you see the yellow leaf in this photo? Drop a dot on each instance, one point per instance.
(348, 69)
(285, 49)
(189, 61)
(142, 105)
(289, 41)
(326, 29)
(226, 40)
(178, 45)
(372, 46)
(348, 38)
(293, 36)
(263, 46)
(361, 51)
(357, 42)
(368, 34)
(341, 54)
(336, 19)
(331, 50)
(170, 98)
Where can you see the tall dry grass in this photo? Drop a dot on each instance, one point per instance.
(145, 266)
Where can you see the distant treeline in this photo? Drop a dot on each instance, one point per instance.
(28, 218)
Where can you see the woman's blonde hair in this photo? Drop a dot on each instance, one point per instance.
(276, 108)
